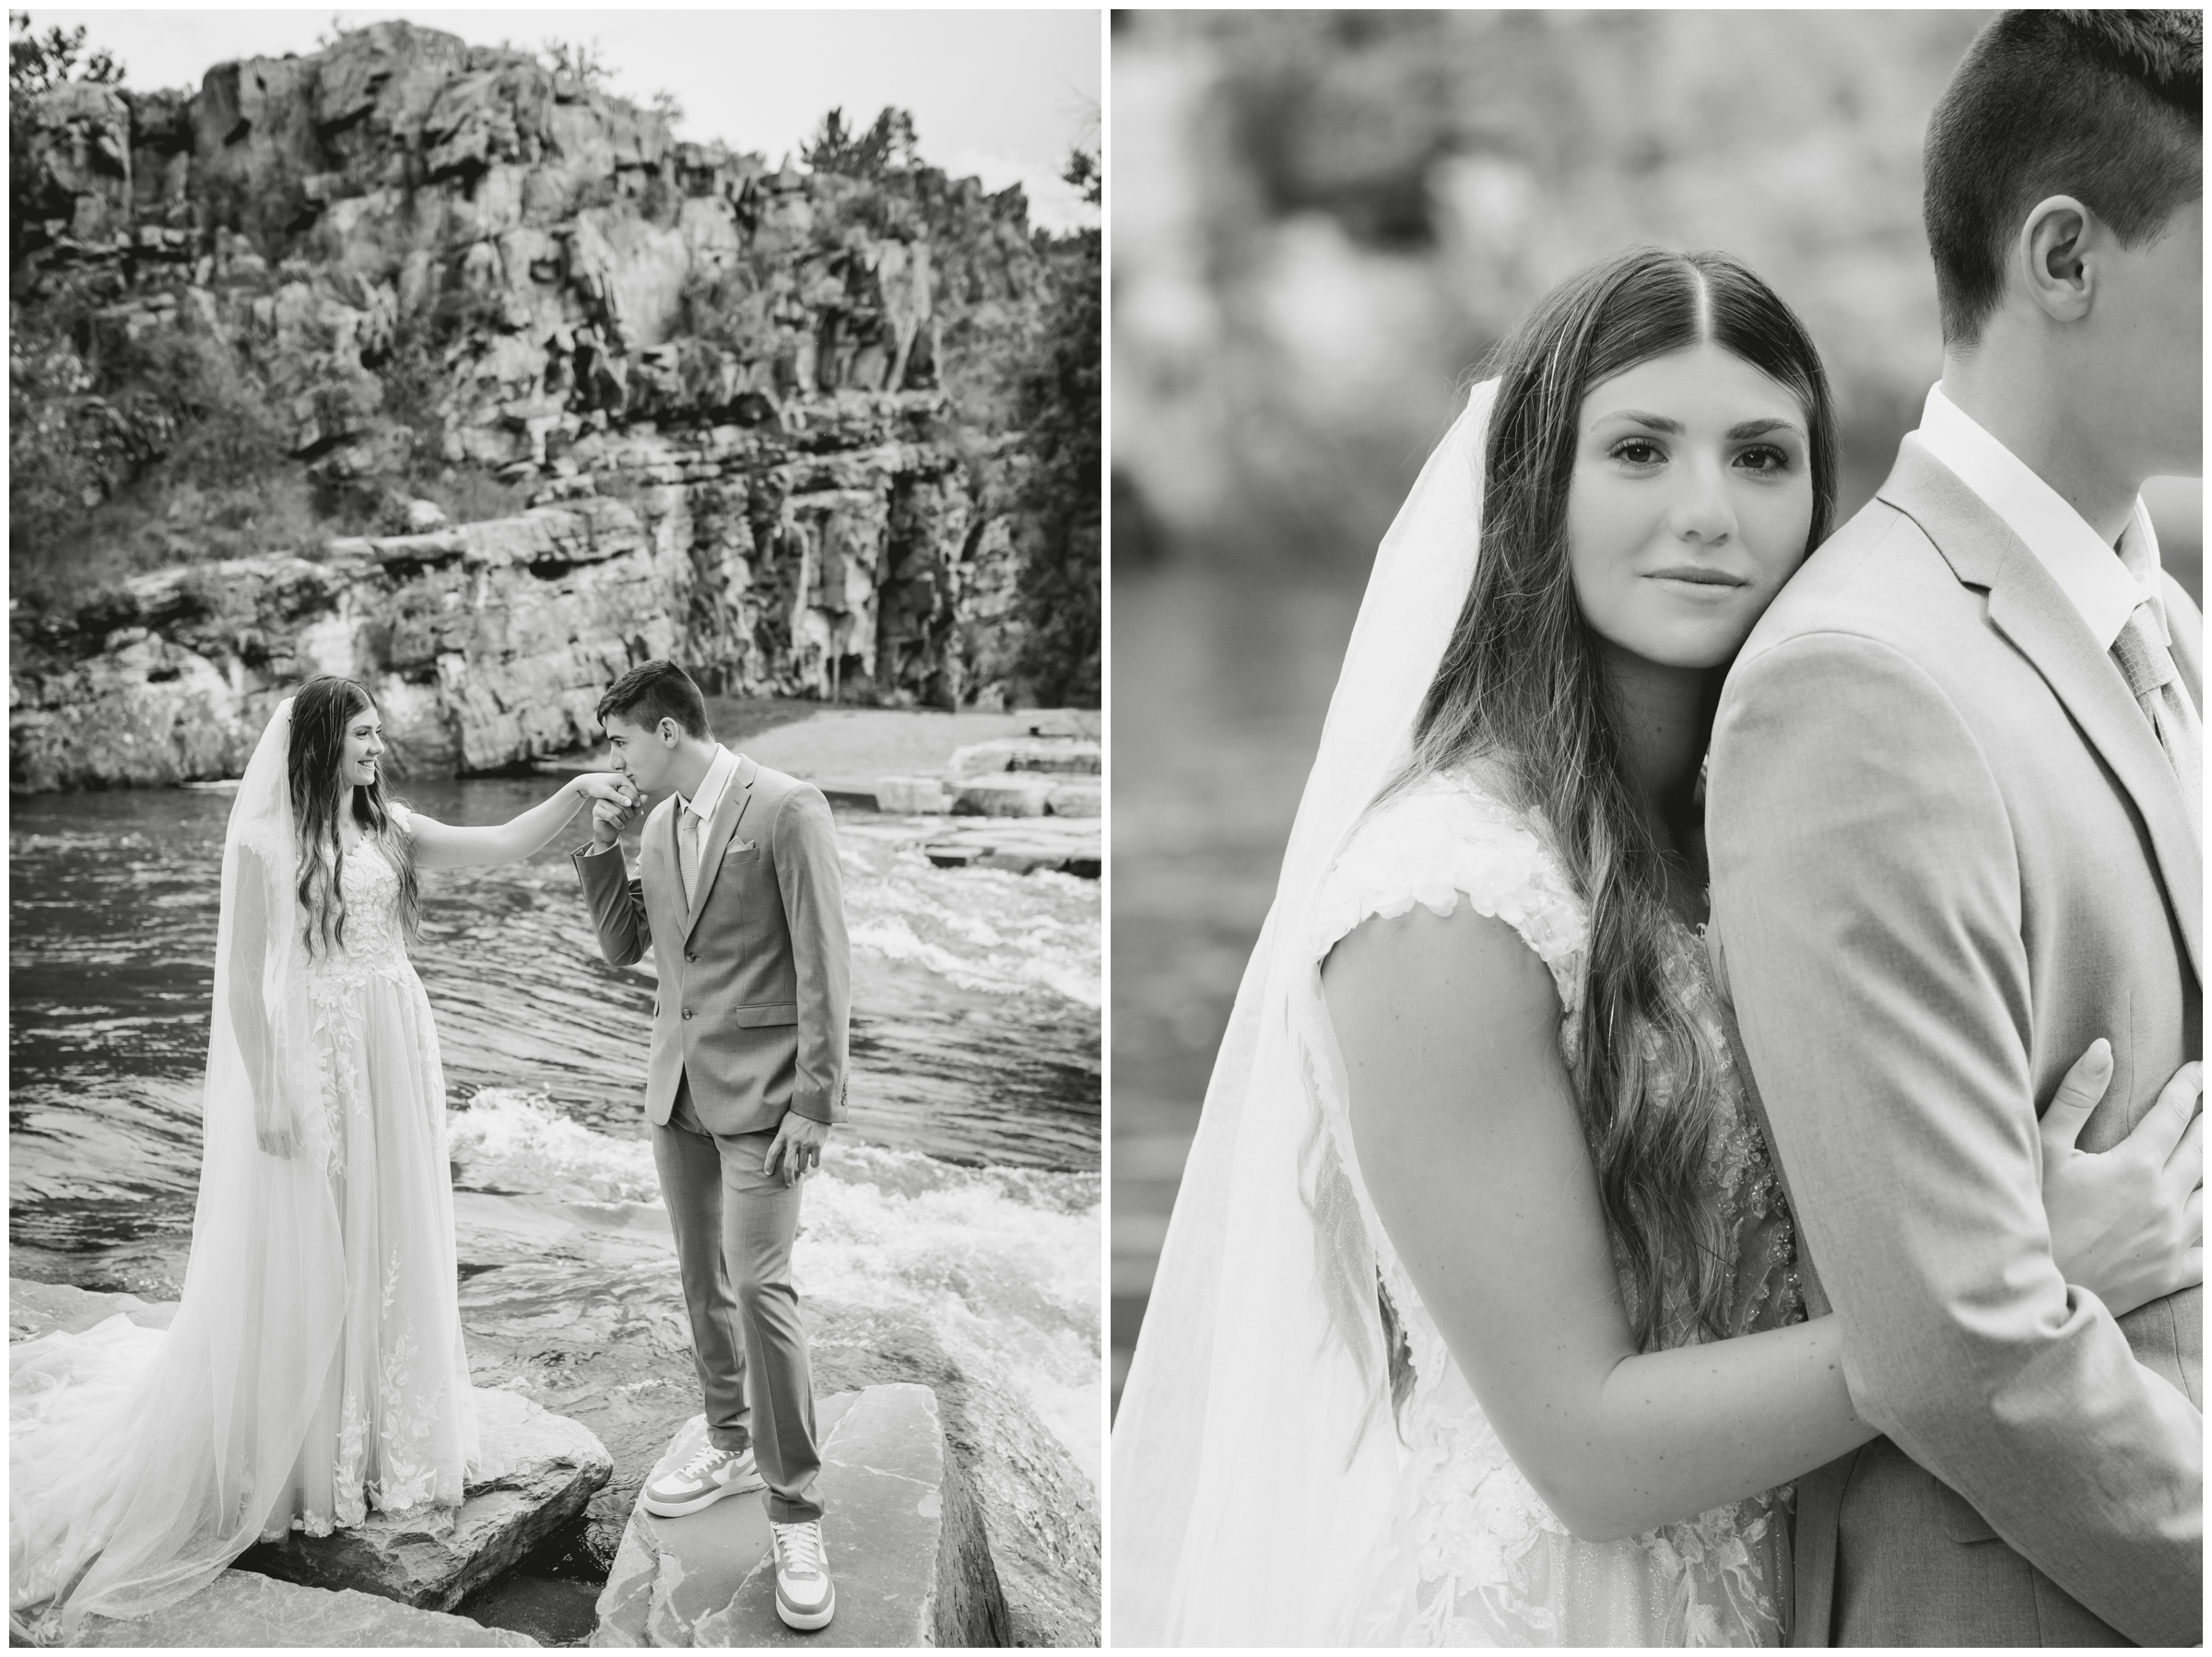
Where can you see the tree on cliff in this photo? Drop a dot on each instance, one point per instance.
(39, 63)
(889, 145)
(1059, 408)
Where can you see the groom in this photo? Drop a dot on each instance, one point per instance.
(738, 896)
(1955, 818)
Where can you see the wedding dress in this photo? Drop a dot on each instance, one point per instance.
(314, 1371)
(1297, 1457)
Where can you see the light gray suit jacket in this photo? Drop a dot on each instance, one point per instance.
(1947, 855)
(754, 971)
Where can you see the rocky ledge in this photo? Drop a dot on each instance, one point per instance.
(240, 1609)
(1051, 769)
(905, 1540)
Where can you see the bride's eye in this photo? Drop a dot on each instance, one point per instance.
(1639, 452)
(1764, 458)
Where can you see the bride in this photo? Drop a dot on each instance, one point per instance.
(314, 1371)
(1477, 1321)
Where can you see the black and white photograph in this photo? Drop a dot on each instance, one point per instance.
(557, 827)
(1656, 812)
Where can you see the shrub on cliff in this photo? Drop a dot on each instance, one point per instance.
(113, 421)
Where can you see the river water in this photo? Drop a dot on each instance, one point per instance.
(965, 1190)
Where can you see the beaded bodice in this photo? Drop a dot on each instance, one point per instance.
(1475, 1556)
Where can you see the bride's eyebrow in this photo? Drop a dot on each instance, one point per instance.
(1760, 428)
(1656, 422)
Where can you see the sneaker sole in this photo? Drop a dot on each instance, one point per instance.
(807, 1622)
(677, 1510)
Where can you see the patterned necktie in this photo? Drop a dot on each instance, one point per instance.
(2148, 665)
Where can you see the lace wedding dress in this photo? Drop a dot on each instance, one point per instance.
(314, 1372)
(1470, 1554)
(395, 1431)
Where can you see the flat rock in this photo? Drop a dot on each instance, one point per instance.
(1076, 797)
(905, 1540)
(1023, 846)
(240, 1608)
(1072, 755)
(553, 1464)
(1005, 795)
(913, 796)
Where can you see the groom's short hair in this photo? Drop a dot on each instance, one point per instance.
(2104, 106)
(652, 691)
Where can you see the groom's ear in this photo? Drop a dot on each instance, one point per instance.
(2059, 241)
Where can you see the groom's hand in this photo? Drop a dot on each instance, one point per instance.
(612, 811)
(797, 1148)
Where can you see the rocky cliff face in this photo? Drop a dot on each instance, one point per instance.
(721, 410)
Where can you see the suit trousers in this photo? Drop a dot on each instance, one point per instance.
(734, 1229)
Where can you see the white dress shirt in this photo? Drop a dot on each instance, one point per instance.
(2106, 590)
(696, 816)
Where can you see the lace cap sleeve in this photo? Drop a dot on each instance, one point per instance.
(403, 819)
(1440, 839)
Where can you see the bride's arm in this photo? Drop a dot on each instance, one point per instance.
(1466, 1130)
(442, 846)
(1464, 1122)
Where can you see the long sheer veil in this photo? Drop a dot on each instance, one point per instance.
(1253, 1455)
(142, 1463)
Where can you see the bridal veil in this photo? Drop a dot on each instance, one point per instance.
(141, 1464)
(1254, 1452)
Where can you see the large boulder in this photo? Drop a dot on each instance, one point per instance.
(906, 1545)
(550, 1467)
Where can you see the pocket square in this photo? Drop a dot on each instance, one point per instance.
(743, 845)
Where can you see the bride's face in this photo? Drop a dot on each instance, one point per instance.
(1691, 500)
(364, 748)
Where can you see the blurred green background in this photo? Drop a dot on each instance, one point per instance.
(1321, 221)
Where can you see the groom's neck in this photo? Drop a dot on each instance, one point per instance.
(687, 768)
(2036, 404)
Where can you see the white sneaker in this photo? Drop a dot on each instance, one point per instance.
(806, 1598)
(701, 1482)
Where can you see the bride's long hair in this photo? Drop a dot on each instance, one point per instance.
(321, 710)
(1523, 686)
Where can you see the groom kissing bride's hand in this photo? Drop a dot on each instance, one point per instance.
(739, 899)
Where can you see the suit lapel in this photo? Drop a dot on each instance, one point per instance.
(734, 799)
(2027, 607)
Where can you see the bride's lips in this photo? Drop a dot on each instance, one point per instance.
(1700, 575)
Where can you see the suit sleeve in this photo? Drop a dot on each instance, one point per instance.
(617, 905)
(814, 912)
(1867, 890)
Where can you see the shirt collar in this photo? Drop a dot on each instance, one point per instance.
(2104, 590)
(708, 800)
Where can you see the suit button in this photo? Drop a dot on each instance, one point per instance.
(689, 956)
(687, 1012)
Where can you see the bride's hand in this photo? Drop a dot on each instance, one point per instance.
(274, 1127)
(2127, 1224)
(611, 787)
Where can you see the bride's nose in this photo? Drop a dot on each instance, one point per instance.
(1700, 510)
